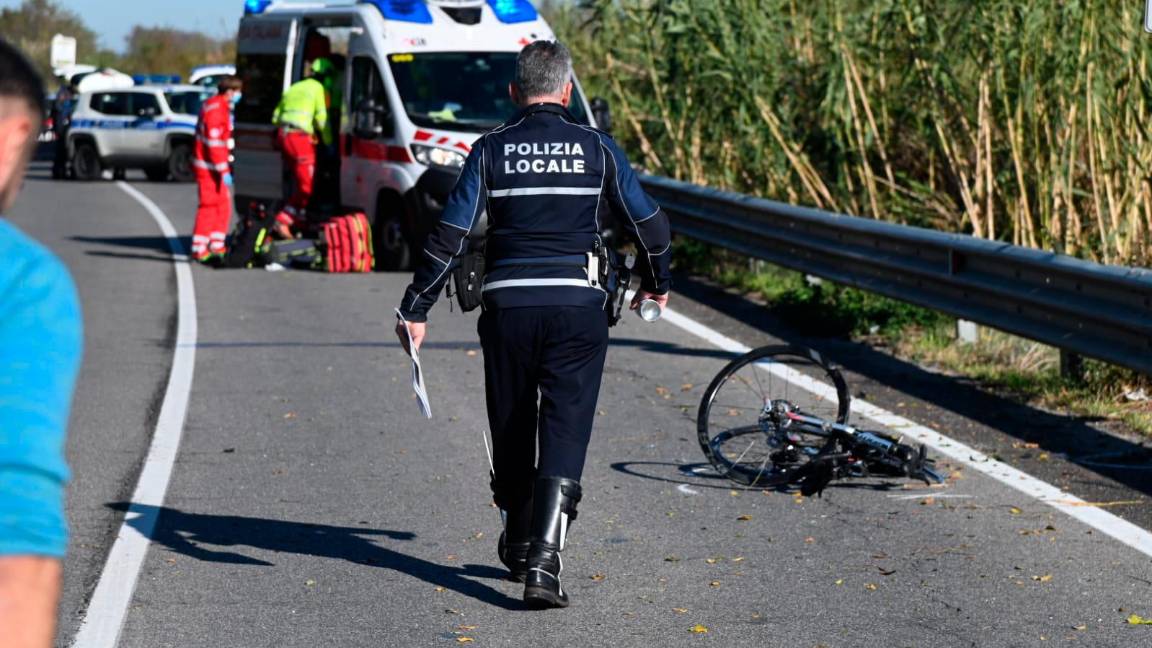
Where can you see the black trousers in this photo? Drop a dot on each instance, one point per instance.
(542, 370)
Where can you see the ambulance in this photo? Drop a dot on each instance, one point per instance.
(421, 81)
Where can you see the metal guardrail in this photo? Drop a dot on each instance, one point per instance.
(1080, 307)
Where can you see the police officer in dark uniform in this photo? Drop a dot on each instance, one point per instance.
(547, 185)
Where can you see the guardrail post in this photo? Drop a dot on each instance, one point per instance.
(1071, 365)
(967, 332)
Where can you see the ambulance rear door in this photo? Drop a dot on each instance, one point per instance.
(371, 145)
(265, 51)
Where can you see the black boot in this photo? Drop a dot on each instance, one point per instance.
(514, 539)
(553, 510)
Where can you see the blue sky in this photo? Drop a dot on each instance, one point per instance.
(113, 19)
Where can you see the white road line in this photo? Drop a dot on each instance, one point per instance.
(109, 605)
(1093, 516)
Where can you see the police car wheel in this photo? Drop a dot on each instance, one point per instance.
(180, 163)
(392, 248)
(86, 163)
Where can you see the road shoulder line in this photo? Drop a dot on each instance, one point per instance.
(108, 608)
(1095, 517)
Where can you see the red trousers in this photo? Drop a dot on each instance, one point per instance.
(299, 154)
(213, 215)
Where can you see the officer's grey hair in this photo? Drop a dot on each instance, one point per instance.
(542, 69)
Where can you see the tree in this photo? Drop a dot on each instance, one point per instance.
(32, 26)
(165, 50)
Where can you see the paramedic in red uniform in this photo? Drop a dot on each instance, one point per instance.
(213, 172)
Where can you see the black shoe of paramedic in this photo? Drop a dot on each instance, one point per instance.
(553, 510)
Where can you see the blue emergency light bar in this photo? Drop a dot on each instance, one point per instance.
(255, 6)
(413, 11)
(513, 11)
(416, 11)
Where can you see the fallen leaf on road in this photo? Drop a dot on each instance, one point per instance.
(1014, 510)
(309, 582)
(290, 415)
(698, 629)
(439, 589)
(663, 391)
(1080, 627)
(928, 501)
(464, 640)
(809, 540)
(686, 387)
(466, 628)
(680, 610)
(871, 587)
(671, 558)
(471, 353)
(839, 581)
(734, 493)
(1043, 579)
(1030, 446)
(738, 559)
(1136, 619)
(744, 518)
(597, 577)
(715, 583)
(478, 535)
(711, 561)
(885, 572)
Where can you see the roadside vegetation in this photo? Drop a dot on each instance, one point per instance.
(1008, 120)
(153, 50)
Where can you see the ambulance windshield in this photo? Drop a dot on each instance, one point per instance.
(461, 90)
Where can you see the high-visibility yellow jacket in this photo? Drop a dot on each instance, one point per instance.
(305, 106)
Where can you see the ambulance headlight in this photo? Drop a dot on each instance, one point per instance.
(437, 156)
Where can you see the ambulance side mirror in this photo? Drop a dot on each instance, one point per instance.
(602, 113)
(372, 121)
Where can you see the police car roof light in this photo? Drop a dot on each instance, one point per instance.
(255, 6)
(413, 11)
(513, 11)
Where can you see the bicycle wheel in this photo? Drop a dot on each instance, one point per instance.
(734, 423)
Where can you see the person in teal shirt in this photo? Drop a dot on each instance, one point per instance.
(40, 348)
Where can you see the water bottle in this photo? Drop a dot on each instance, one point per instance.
(649, 310)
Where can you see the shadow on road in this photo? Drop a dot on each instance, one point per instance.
(157, 243)
(1052, 432)
(703, 475)
(203, 537)
(667, 348)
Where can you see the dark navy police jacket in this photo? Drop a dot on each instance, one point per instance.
(548, 184)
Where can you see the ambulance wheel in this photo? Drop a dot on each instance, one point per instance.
(180, 163)
(156, 173)
(393, 252)
(86, 164)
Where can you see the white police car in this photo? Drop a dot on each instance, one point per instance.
(145, 127)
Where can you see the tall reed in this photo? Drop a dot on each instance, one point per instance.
(1018, 120)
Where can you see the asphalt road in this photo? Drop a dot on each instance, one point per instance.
(312, 505)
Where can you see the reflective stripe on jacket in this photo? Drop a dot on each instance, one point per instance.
(213, 130)
(549, 186)
(304, 106)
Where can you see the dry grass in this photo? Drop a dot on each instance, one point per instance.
(1029, 372)
(1009, 119)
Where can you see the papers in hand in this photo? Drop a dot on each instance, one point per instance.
(417, 374)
